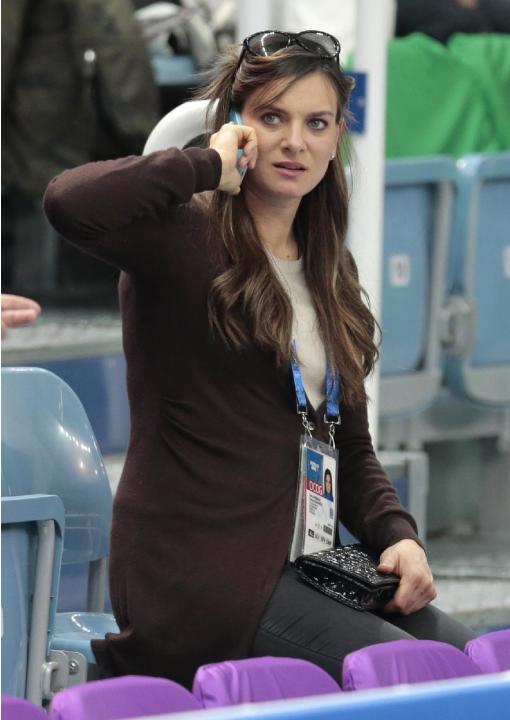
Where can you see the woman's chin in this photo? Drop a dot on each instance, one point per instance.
(282, 191)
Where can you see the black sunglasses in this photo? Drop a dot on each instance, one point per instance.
(268, 42)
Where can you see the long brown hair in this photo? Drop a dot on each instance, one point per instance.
(247, 302)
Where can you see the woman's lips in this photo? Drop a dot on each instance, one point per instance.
(289, 169)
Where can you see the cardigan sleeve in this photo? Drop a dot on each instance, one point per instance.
(116, 209)
(368, 504)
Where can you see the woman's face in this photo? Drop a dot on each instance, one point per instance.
(327, 483)
(297, 135)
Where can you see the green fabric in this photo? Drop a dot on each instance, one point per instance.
(450, 100)
(488, 58)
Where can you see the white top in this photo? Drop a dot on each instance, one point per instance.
(305, 331)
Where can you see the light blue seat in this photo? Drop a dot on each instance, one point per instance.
(32, 541)
(100, 383)
(478, 365)
(418, 208)
(48, 447)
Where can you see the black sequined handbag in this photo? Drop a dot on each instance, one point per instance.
(349, 575)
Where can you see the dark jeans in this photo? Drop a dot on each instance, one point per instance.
(303, 623)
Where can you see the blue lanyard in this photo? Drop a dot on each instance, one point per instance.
(332, 395)
(332, 416)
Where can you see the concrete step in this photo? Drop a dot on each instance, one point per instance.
(472, 576)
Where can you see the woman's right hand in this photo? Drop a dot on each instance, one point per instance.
(227, 141)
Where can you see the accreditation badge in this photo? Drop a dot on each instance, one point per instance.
(315, 514)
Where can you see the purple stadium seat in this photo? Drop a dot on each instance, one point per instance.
(259, 679)
(404, 661)
(491, 652)
(14, 708)
(123, 697)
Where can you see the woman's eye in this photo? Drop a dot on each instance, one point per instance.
(318, 124)
(271, 118)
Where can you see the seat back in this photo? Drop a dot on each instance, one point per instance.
(123, 697)
(479, 273)
(48, 446)
(100, 383)
(14, 708)
(418, 208)
(180, 126)
(404, 661)
(32, 533)
(491, 651)
(259, 679)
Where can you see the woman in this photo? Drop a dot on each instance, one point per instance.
(215, 286)
(328, 484)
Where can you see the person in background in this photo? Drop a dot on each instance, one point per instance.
(76, 85)
(17, 310)
(442, 18)
(224, 282)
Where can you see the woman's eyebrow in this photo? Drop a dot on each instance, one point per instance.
(269, 107)
(322, 112)
(276, 109)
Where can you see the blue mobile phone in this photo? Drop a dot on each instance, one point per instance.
(235, 117)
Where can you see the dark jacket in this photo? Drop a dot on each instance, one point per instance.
(76, 81)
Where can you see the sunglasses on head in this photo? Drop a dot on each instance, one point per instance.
(268, 42)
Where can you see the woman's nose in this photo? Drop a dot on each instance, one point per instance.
(294, 137)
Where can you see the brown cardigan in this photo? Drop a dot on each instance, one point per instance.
(204, 510)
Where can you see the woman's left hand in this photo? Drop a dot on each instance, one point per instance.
(408, 560)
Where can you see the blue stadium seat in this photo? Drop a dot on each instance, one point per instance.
(418, 209)
(32, 537)
(100, 383)
(478, 363)
(48, 447)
